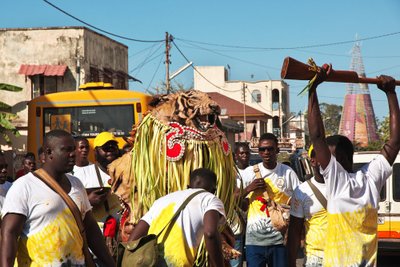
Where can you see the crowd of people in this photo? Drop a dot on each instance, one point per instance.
(333, 215)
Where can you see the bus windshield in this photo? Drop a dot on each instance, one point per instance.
(88, 121)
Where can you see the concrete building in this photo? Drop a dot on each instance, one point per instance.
(55, 59)
(232, 118)
(270, 97)
(298, 132)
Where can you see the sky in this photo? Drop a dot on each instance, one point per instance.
(251, 37)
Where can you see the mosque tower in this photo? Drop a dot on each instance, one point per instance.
(358, 119)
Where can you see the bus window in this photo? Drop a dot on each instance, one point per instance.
(396, 181)
(88, 121)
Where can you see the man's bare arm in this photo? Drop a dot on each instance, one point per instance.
(212, 237)
(315, 125)
(392, 146)
(294, 238)
(96, 240)
(140, 230)
(11, 229)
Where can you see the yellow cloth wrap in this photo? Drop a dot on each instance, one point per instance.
(315, 234)
(346, 246)
(176, 252)
(52, 243)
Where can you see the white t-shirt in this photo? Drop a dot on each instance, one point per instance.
(304, 204)
(282, 180)
(3, 192)
(50, 236)
(180, 247)
(239, 177)
(353, 200)
(88, 176)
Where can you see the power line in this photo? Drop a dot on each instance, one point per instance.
(101, 30)
(235, 58)
(148, 59)
(245, 50)
(141, 65)
(385, 69)
(341, 55)
(188, 61)
(154, 74)
(144, 49)
(294, 47)
(265, 66)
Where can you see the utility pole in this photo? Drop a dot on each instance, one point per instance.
(244, 86)
(168, 39)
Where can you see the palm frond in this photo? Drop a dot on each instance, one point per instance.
(4, 106)
(9, 87)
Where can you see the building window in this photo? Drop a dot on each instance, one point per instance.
(256, 96)
(108, 76)
(396, 182)
(275, 99)
(42, 85)
(120, 84)
(44, 78)
(94, 75)
(276, 129)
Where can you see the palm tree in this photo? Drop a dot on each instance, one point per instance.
(6, 116)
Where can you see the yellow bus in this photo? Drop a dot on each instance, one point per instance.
(85, 113)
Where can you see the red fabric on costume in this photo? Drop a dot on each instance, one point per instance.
(110, 227)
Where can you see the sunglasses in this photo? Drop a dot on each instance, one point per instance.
(3, 166)
(268, 148)
(109, 147)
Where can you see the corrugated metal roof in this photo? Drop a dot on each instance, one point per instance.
(46, 70)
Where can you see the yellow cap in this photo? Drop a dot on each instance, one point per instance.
(310, 150)
(103, 138)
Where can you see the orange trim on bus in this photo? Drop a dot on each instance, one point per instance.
(388, 234)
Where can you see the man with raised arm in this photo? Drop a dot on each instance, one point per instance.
(352, 197)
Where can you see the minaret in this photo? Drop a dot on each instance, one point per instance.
(358, 118)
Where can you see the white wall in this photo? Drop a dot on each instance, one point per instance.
(214, 81)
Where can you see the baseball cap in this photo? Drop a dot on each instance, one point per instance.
(103, 138)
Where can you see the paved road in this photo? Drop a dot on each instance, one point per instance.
(383, 261)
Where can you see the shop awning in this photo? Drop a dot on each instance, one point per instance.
(46, 70)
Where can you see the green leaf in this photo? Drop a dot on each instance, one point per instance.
(8, 116)
(4, 106)
(9, 87)
(6, 138)
(6, 124)
(6, 127)
(15, 132)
